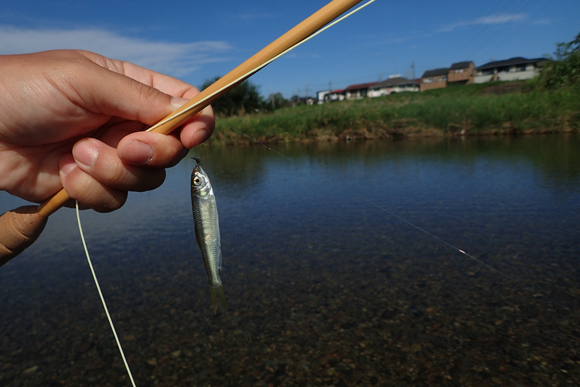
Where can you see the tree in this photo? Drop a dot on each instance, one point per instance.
(564, 70)
(565, 50)
(275, 101)
(244, 98)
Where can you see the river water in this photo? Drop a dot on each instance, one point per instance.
(342, 266)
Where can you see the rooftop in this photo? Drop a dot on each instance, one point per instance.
(435, 72)
(510, 62)
(460, 65)
(395, 82)
(359, 86)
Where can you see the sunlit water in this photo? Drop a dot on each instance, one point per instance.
(325, 286)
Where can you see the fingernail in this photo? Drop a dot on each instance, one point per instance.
(137, 152)
(86, 153)
(178, 102)
(200, 136)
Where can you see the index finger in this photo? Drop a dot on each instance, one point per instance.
(164, 83)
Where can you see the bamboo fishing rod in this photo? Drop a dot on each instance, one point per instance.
(19, 228)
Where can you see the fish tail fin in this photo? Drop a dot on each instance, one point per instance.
(217, 293)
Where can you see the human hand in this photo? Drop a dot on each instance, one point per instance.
(74, 119)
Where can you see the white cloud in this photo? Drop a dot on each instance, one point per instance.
(499, 19)
(486, 20)
(176, 59)
(543, 21)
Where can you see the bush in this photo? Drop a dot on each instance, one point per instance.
(564, 71)
(244, 98)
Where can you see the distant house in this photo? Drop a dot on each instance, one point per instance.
(336, 95)
(508, 70)
(296, 100)
(461, 73)
(357, 91)
(434, 79)
(322, 96)
(330, 96)
(393, 85)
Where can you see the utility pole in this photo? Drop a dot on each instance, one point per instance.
(413, 67)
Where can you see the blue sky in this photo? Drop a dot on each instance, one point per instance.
(195, 40)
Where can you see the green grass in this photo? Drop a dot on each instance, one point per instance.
(470, 109)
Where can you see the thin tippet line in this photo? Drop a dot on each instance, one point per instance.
(441, 240)
(392, 214)
(103, 298)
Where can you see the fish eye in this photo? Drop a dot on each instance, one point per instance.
(196, 181)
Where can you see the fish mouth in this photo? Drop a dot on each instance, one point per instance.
(197, 166)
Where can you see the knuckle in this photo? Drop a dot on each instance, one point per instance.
(92, 193)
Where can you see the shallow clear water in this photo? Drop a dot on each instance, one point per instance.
(325, 285)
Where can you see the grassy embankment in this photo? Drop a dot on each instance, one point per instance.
(499, 108)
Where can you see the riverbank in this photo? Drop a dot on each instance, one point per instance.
(482, 109)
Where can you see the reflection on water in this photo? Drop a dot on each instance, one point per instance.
(325, 287)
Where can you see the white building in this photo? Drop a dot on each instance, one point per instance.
(357, 91)
(393, 85)
(508, 70)
(322, 96)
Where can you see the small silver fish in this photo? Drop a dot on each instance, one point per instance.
(207, 231)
